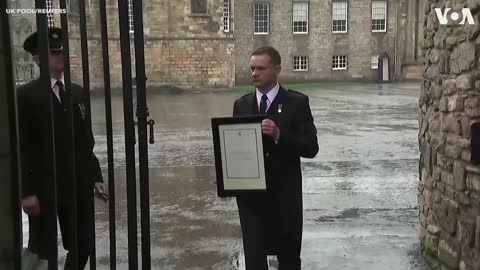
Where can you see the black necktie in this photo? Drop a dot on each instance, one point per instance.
(61, 92)
(263, 104)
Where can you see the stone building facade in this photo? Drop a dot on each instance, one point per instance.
(449, 190)
(207, 43)
(322, 42)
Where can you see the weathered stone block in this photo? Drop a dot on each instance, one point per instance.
(455, 103)
(474, 199)
(427, 181)
(443, 106)
(464, 82)
(473, 30)
(434, 56)
(428, 196)
(453, 151)
(423, 220)
(431, 244)
(463, 58)
(450, 192)
(428, 159)
(451, 42)
(466, 232)
(435, 126)
(441, 187)
(477, 233)
(449, 86)
(451, 124)
(424, 125)
(464, 143)
(438, 143)
(436, 90)
(466, 128)
(438, 39)
(459, 175)
(434, 230)
(448, 255)
(446, 214)
(462, 198)
(437, 172)
(471, 258)
(473, 182)
(472, 106)
(466, 155)
(448, 179)
(437, 197)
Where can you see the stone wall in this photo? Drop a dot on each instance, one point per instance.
(449, 189)
(183, 62)
(181, 48)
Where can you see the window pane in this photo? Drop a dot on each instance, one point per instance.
(378, 10)
(374, 60)
(199, 6)
(339, 10)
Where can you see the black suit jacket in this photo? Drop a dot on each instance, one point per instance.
(33, 118)
(290, 111)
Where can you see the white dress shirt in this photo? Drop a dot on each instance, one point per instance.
(270, 96)
(55, 87)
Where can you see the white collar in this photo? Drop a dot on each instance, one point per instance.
(54, 81)
(270, 94)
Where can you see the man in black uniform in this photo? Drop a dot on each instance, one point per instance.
(32, 108)
(272, 222)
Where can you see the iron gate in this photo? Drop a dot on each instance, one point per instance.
(129, 128)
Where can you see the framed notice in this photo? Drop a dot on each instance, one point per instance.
(239, 156)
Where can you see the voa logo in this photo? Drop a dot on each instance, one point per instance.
(443, 15)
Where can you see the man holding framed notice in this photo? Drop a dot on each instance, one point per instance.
(272, 221)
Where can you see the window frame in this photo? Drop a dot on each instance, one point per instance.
(385, 17)
(337, 61)
(346, 17)
(131, 19)
(374, 59)
(50, 16)
(307, 17)
(227, 7)
(267, 5)
(299, 65)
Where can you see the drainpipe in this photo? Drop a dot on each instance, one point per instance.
(396, 41)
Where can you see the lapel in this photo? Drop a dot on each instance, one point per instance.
(252, 104)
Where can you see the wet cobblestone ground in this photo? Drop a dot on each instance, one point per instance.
(360, 192)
